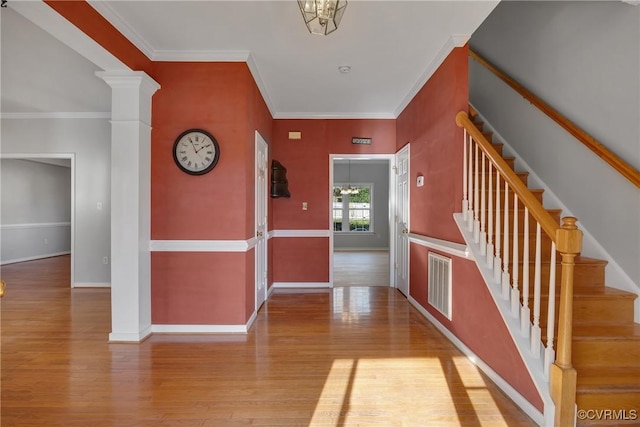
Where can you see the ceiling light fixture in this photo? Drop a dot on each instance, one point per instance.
(322, 16)
(349, 189)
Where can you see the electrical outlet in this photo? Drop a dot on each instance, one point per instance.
(304, 206)
(105, 260)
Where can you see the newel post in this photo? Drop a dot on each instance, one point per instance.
(563, 375)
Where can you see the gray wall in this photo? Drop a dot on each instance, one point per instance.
(583, 58)
(369, 171)
(90, 140)
(35, 210)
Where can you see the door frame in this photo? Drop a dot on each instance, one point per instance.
(57, 156)
(260, 141)
(392, 201)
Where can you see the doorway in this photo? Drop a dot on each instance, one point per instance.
(361, 202)
(49, 233)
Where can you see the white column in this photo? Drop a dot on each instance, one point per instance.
(130, 203)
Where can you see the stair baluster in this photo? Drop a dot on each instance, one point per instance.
(490, 249)
(465, 202)
(525, 312)
(483, 214)
(497, 261)
(515, 292)
(505, 245)
(549, 353)
(535, 330)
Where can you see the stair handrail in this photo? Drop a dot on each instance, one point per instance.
(548, 224)
(624, 168)
(568, 240)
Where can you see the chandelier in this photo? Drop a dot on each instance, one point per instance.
(349, 189)
(322, 16)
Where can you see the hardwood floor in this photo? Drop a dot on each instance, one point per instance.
(351, 356)
(360, 268)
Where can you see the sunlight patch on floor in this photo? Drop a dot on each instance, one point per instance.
(384, 391)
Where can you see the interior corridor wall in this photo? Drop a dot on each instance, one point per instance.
(428, 124)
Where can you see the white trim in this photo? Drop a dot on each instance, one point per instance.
(257, 77)
(512, 393)
(251, 320)
(199, 329)
(201, 55)
(57, 115)
(300, 233)
(303, 285)
(329, 115)
(92, 285)
(360, 249)
(615, 276)
(455, 40)
(390, 158)
(130, 336)
(34, 257)
(450, 248)
(35, 225)
(104, 9)
(201, 245)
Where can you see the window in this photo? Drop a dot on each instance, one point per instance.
(353, 213)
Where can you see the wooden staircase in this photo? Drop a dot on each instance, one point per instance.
(606, 341)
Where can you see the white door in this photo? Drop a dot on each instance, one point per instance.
(261, 220)
(401, 221)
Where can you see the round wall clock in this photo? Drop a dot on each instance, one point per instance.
(196, 151)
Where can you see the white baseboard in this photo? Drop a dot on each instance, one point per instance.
(33, 258)
(90, 285)
(303, 285)
(130, 337)
(513, 394)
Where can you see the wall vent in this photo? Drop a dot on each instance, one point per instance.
(439, 286)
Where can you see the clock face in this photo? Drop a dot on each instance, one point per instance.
(196, 151)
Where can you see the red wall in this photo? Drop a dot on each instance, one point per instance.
(428, 123)
(307, 163)
(223, 99)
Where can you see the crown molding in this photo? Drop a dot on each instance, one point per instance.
(57, 115)
(286, 115)
(455, 40)
(107, 12)
(200, 55)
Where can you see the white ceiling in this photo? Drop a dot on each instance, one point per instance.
(391, 46)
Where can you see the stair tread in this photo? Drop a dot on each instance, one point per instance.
(609, 379)
(598, 292)
(603, 331)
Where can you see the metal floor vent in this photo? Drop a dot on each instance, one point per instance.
(439, 286)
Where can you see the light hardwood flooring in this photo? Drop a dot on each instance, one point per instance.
(360, 268)
(350, 356)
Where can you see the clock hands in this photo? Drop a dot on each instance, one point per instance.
(204, 146)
